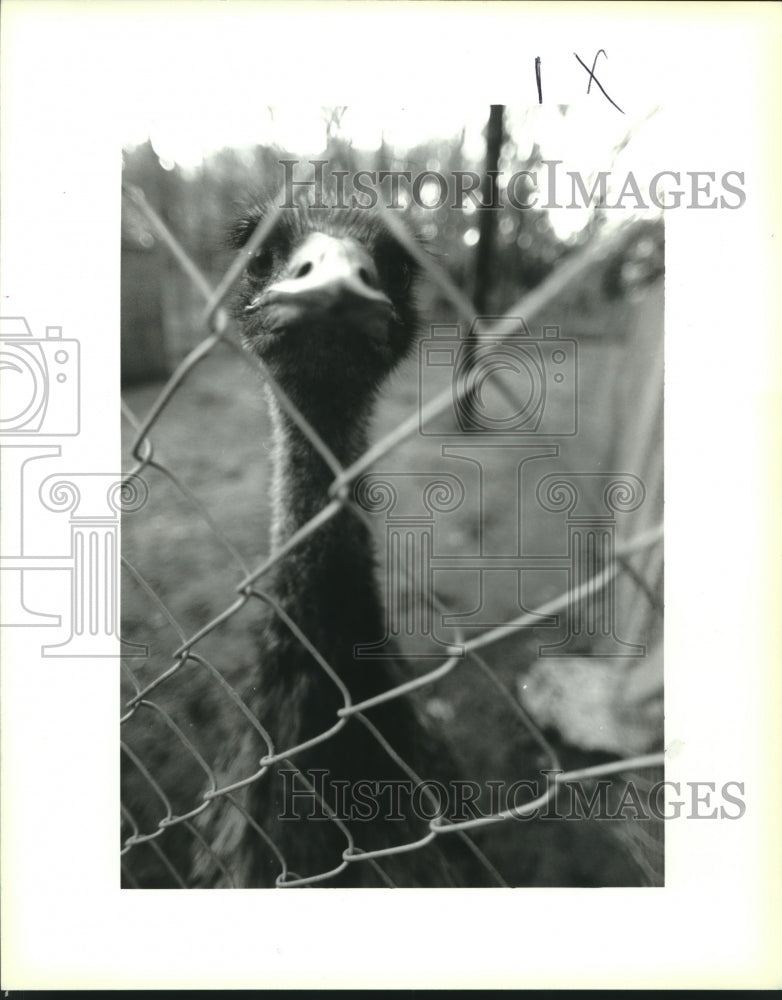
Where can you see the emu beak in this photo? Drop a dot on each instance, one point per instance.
(328, 271)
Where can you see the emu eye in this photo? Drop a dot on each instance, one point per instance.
(402, 278)
(261, 263)
(367, 278)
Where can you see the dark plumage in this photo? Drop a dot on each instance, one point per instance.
(327, 305)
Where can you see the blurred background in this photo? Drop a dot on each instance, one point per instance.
(206, 522)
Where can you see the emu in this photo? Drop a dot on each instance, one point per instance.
(327, 305)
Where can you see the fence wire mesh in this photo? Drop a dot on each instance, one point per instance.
(159, 819)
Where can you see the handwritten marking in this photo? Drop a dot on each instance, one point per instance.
(593, 77)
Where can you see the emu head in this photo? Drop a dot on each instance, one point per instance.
(326, 302)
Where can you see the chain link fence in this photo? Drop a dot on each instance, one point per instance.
(160, 816)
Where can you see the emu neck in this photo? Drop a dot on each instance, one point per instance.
(302, 478)
(326, 583)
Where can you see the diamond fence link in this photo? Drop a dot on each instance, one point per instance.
(141, 705)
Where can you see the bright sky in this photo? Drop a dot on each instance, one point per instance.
(186, 139)
(221, 85)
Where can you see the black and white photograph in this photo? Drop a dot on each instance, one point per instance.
(369, 377)
(399, 566)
